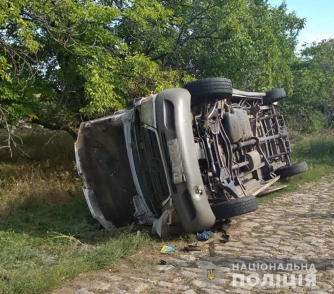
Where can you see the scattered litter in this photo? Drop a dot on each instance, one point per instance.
(201, 245)
(225, 237)
(163, 262)
(212, 249)
(166, 249)
(194, 247)
(203, 236)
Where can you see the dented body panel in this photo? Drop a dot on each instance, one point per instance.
(174, 160)
(129, 172)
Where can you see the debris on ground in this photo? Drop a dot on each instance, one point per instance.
(194, 247)
(201, 245)
(225, 237)
(204, 236)
(166, 249)
(212, 249)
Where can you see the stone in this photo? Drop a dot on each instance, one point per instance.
(213, 291)
(297, 290)
(267, 228)
(313, 239)
(140, 287)
(177, 280)
(305, 246)
(179, 262)
(239, 291)
(202, 284)
(120, 291)
(84, 291)
(164, 268)
(249, 224)
(115, 278)
(195, 270)
(234, 245)
(103, 287)
(286, 248)
(188, 274)
(287, 228)
(188, 257)
(190, 291)
(323, 285)
(213, 258)
(205, 264)
(173, 286)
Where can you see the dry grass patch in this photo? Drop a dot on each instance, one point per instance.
(42, 172)
(47, 234)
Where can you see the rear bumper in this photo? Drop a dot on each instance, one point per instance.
(175, 130)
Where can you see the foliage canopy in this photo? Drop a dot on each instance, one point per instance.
(313, 95)
(65, 61)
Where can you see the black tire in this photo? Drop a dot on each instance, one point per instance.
(274, 96)
(234, 207)
(209, 89)
(292, 170)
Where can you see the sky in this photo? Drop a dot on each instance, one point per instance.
(319, 15)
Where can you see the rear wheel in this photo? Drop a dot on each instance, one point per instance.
(292, 170)
(234, 207)
(274, 96)
(209, 90)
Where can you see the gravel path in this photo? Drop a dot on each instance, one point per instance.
(286, 246)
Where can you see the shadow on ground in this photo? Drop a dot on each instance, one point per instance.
(72, 219)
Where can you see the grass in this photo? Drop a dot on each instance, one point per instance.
(318, 151)
(47, 234)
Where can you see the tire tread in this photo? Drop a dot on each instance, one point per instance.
(274, 95)
(292, 170)
(209, 89)
(234, 207)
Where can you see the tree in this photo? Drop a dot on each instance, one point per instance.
(313, 95)
(61, 63)
(248, 41)
(66, 61)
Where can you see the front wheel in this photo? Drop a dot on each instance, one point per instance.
(234, 207)
(208, 90)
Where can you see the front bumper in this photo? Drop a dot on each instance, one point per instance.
(174, 126)
(105, 160)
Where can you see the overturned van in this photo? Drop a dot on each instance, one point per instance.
(185, 157)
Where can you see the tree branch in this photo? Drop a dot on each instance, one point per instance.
(56, 127)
